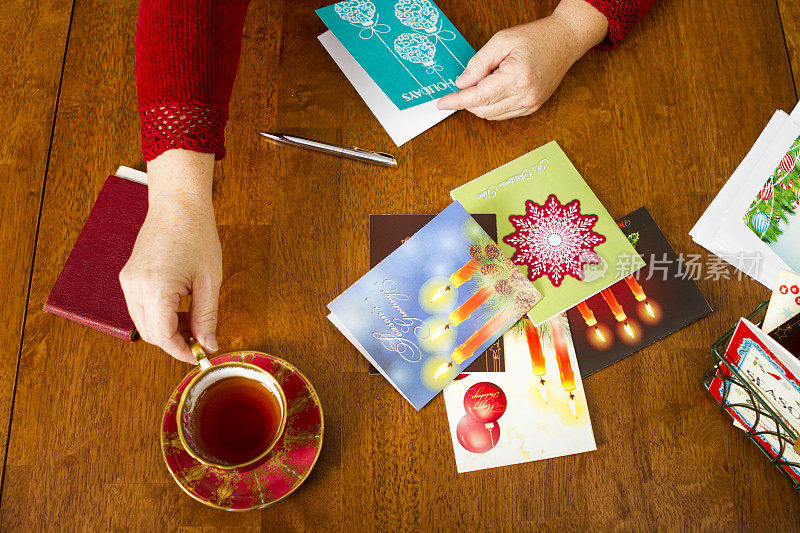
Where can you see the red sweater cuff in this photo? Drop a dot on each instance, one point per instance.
(188, 125)
(187, 54)
(621, 15)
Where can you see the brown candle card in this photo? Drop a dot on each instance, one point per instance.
(423, 314)
(641, 308)
(788, 335)
(388, 232)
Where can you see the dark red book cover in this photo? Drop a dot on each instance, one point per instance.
(88, 290)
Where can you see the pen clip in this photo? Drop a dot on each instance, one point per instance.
(357, 149)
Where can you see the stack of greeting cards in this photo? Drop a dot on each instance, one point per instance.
(556, 231)
(400, 55)
(754, 222)
(773, 373)
(443, 295)
(433, 305)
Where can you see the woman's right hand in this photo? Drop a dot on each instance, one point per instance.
(177, 253)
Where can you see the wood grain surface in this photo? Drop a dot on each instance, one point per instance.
(34, 37)
(660, 122)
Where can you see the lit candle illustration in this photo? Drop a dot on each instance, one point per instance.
(617, 310)
(537, 357)
(639, 294)
(564, 365)
(498, 323)
(590, 320)
(464, 311)
(458, 278)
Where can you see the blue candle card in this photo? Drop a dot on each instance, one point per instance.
(433, 305)
(408, 47)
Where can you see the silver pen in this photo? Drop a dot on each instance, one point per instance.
(378, 158)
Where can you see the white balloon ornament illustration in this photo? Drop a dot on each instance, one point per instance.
(416, 48)
(423, 16)
(361, 13)
(419, 15)
(356, 12)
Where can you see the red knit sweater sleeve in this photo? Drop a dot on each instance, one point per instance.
(187, 54)
(621, 15)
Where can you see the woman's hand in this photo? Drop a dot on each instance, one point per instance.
(177, 253)
(520, 67)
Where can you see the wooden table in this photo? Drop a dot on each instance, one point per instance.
(661, 122)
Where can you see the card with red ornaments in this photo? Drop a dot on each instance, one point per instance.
(553, 227)
(534, 410)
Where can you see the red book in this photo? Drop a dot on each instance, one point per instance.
(87, 290)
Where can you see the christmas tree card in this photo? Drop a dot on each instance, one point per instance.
(436, 303)
(534, 410)
(554, 227)
(773, 214)
(388, 232)
(408, 47)
(731, 240)
(758, 227)
(657, 300)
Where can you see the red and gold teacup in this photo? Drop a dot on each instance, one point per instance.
(231, 414)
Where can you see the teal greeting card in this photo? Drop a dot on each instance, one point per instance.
(408, 47)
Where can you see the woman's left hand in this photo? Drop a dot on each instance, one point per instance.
(520, 67)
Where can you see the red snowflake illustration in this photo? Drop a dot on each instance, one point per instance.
(554, 240)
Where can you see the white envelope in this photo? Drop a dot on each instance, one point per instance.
(721, 230)
(402, 126)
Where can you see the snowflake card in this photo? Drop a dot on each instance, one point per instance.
(388, 232)
(408, 47)
(553, 227)
(643, 308)
(428, 310)
(534, 410)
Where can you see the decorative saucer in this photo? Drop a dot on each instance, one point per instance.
(283, 470)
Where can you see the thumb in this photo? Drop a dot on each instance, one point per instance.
(203, 312)
(483, 63)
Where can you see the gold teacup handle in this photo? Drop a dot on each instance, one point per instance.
(199, 354)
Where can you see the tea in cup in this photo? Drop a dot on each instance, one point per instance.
(230, 415)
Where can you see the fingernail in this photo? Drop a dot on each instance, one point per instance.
(210, 342)
(461, 81)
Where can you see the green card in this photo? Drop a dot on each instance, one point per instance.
(408, 47)
(553, 227)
